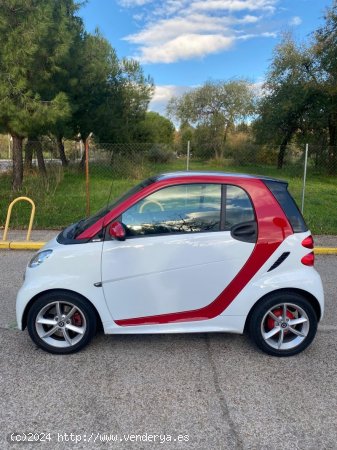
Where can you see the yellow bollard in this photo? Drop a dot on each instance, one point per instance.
(9, 213)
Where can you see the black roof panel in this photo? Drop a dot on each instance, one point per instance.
(192, 173)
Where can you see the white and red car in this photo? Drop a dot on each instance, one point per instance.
(180, 253)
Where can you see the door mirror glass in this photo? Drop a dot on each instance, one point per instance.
(117, 231)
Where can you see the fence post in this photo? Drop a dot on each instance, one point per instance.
(304, 175)
(188, 155)
(81, 148)
(87, 192)
(9, 145)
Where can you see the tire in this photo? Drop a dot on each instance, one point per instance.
(61, 322)
(283, 324)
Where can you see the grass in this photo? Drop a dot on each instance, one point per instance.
(60, 199)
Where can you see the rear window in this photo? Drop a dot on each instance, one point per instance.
(280, 192)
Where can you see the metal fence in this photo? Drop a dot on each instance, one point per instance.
(131, 162)
(128, 158)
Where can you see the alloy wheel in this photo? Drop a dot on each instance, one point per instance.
(285, 326)
(61, 324)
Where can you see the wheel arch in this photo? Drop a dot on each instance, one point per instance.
(307, 295)
(60, 291)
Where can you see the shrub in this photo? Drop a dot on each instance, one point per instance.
(159, 154)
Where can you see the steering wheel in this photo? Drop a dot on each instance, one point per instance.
(148, 202)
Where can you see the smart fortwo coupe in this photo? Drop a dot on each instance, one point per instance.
(180, 253)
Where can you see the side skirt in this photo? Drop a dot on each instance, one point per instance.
(226, 324)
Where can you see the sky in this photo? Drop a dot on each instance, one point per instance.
(183, 43)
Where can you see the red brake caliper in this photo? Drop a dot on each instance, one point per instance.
(76, 319)
(278, 313)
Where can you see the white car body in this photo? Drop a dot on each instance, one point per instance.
(203, 260)
(78, 267)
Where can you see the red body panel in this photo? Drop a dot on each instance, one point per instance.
(273, 228)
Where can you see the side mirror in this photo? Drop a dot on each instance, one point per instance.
(116, 230)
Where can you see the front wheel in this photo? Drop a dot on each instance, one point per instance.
(283, 324)
(61, 323)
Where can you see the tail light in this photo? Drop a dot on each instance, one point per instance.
(308, 242)
(309, 259)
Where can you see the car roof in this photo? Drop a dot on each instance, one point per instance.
(191, 173)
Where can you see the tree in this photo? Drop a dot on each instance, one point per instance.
(130, 96)
(301, 94)
(110, 96)
(32, 48)
(325, 49)
(60, 81)
(290, 95)
(156, 129)
(186, 134)
(215, 106)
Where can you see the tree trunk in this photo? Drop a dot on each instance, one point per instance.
(17, 163)
(40, 159)
(29, 154)
(62, 153)
(224, 140)
(281, 154)
(283, 149)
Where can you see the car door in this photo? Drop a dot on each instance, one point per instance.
(179, 253)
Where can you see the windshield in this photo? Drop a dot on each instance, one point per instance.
(84, 224)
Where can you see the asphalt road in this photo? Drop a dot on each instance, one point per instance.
(215, 388)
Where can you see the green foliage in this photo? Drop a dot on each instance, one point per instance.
(205, 140)
(155, 129)
(60, 199)
(33, 48)
(288, 94)
(241, 148)
(129, 98)
(58, 80)
(300, 101)
(186, 134)
(213, 109)
(160, 154)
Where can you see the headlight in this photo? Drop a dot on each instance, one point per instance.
(39, 258)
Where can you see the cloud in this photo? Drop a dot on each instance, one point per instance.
(167, 29)
(235, 5)
(187, 46)
(163, 94)
(267, 34)
(295, 21)
(175, 30)
(134, 3)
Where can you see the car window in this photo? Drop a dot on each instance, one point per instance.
(288, 204)
(84, 224)
(186, 208)
(239, 208)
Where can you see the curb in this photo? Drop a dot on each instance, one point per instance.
(25, 245)
(21, 245)
(325, 251)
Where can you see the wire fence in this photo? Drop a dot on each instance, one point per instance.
(64, 175)
(131, 159)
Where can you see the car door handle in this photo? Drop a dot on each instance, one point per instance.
(246, 232)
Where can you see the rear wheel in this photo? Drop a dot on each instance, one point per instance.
(61, 323)
(283, 324)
